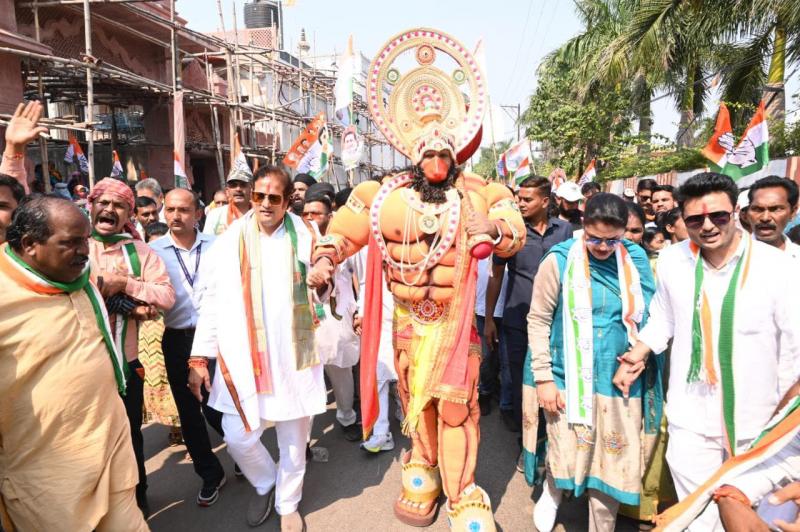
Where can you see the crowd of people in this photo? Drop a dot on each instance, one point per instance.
(636, 345)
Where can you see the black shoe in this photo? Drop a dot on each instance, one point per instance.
(510, 421)
(485, 402)
(209, 493)
(351, 432)
(237, 471)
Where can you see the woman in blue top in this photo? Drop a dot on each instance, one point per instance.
(589, 301)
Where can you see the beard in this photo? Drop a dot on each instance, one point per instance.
(572, 215)
(433, 192)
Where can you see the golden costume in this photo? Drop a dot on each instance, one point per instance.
(415, 224)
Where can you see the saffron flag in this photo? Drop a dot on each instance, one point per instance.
(515, 163)
(116, 170)
(750, 155)
(589, 174)
(305, 141)
(74, 150)
(180, 175)
(343, 91)
(316, 161)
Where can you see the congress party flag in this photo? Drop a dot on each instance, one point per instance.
(515, 163)
(74, 150)
(347, 68)
(116, 170)
(181, 181)
(589, 174)
(746, 157)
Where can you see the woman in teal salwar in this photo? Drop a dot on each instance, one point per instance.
(589, 300)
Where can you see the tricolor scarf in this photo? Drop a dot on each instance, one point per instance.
(303, 323)
(134, 266)
(577, 324)
(26, 276)
(702, 362)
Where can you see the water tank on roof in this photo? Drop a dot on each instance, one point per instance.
(260, 14)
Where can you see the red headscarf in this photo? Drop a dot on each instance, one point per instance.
(117, 188)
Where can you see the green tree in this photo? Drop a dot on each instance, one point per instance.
(575, 131)
(487, 162)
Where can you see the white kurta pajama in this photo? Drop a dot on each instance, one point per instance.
(766, 339)
(337, 344)
(386, 371)
(296, 396)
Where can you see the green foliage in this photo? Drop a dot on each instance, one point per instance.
(574, 131)
(654, 163)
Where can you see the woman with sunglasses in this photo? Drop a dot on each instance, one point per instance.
(589, 299)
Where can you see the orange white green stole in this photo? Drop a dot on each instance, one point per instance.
(303, 324)
(577, 324)
(23, 274)
(702, 361)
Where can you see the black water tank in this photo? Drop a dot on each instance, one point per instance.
(260, 14)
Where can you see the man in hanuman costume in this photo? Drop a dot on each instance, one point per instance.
(427, 228)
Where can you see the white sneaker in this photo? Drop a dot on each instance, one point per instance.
(378, 442)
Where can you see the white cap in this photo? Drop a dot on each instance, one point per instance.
(629, 193)
(569, 191)
(743, 201)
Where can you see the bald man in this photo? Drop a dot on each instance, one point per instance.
(184, 249)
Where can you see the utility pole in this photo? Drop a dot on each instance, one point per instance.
(518, 110)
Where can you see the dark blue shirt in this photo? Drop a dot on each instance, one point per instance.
(523, 266)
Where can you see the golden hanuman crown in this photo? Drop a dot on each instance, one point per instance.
(426, 107)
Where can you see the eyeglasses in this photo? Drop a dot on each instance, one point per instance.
(273, 199)
(718, 218)
(610, 242)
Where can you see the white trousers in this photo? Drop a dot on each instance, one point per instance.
(769, 475)
(382, 423)
(692, 459)
(343, 389)
(258, 466)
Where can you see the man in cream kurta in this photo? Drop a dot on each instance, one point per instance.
(66, 460)
(297, 394)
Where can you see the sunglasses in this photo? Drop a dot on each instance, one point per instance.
(610, 242)
(718, 218)
(273, 199)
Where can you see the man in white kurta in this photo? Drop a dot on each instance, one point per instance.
(296, 395)
(764, 329)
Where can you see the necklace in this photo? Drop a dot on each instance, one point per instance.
(443, 227)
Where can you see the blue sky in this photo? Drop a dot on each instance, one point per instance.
(517, 35)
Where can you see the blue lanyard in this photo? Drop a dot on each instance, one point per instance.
(189, 278)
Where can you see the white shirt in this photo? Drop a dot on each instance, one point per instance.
(484, 272)
(791, 249)
(766, 329)
(222, 328)
(184, 314)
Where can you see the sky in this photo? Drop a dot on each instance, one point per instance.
(517, 35)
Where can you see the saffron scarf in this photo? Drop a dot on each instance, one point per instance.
(134, 266)
(26, 276)
(577, 324)
(702, 361)
(303, 323)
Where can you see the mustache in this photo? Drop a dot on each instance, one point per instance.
(79, 260)
(766, 226)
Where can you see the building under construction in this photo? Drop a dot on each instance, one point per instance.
(112, 73)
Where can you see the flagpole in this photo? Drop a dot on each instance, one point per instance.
(491, 131)
(87, 30)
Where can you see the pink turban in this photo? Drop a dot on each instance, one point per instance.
(115, 187)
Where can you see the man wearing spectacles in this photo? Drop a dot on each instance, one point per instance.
(728, 303)
(255, 319)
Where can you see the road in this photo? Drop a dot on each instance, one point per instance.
(354, 491)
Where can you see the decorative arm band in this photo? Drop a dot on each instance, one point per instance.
(514, 237)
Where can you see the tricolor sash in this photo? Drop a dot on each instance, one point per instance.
(702, 361)
(26, 276)
(577, 324)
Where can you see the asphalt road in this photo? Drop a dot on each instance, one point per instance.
(353, 491)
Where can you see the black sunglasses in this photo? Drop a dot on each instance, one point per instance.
(273, 199)
(718, 218)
